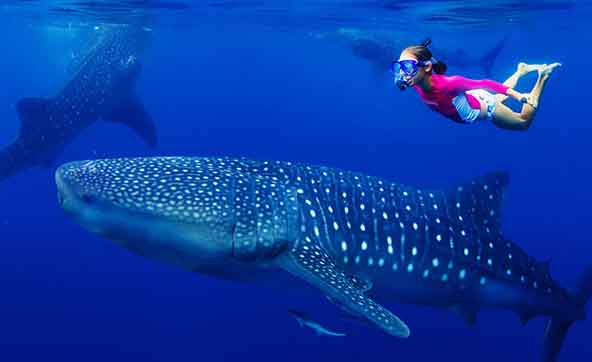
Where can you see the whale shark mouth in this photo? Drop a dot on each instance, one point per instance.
(70, 195)
(65, 194)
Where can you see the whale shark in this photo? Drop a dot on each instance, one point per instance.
(100, 87)
(380, 50)
(360, 240)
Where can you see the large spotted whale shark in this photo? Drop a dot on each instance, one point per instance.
(101, 86)
(359, 239)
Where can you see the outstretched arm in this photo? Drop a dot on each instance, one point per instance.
(520, 97)
(461, 84)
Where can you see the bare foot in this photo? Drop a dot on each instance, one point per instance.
(524, 68)
(548, 69)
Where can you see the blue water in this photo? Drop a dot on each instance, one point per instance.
(249, 78)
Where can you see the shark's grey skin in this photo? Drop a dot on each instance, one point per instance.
(380, 51)
(304, 321)
(101, 87)
(359, 239)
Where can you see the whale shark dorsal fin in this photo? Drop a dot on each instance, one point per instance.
(481, 200)
(487, 61)
(312, 264)
(544, 267)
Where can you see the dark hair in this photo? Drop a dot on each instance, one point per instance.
(421, 52)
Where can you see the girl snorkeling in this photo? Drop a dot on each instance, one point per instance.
(466, 100)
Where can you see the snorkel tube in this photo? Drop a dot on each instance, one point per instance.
(400, 82)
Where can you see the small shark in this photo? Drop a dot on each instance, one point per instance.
(101, 87)
(304, 321)
(380, 51)
(360, 240)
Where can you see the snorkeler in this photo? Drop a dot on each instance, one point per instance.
(466, 100)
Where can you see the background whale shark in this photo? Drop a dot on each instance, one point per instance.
(381, 49)
(101, 87)
(360, 240)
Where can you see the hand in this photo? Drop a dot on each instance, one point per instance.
(524, 98)
(527, 99)
(521, 97)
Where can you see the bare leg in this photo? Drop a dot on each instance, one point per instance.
(512, 81)
(529, 109)
(504, 117)
(544, 74)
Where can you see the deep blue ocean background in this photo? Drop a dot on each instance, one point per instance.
(251, 79)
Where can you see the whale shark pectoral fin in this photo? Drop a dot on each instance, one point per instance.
(33, 113)
(313, 265)
(299, 317)
(363, 284)
(133, 114)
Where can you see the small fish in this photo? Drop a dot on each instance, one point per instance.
(304, 321)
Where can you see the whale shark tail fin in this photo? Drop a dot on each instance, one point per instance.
(10, 162)
(132, 113)
(488, 60)
(35, 124)
(557, 328)
(481, 200)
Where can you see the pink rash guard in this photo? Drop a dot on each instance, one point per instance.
(445, 88)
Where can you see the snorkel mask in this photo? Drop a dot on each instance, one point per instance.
(409, 68)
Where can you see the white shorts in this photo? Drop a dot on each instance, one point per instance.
(470, 115)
